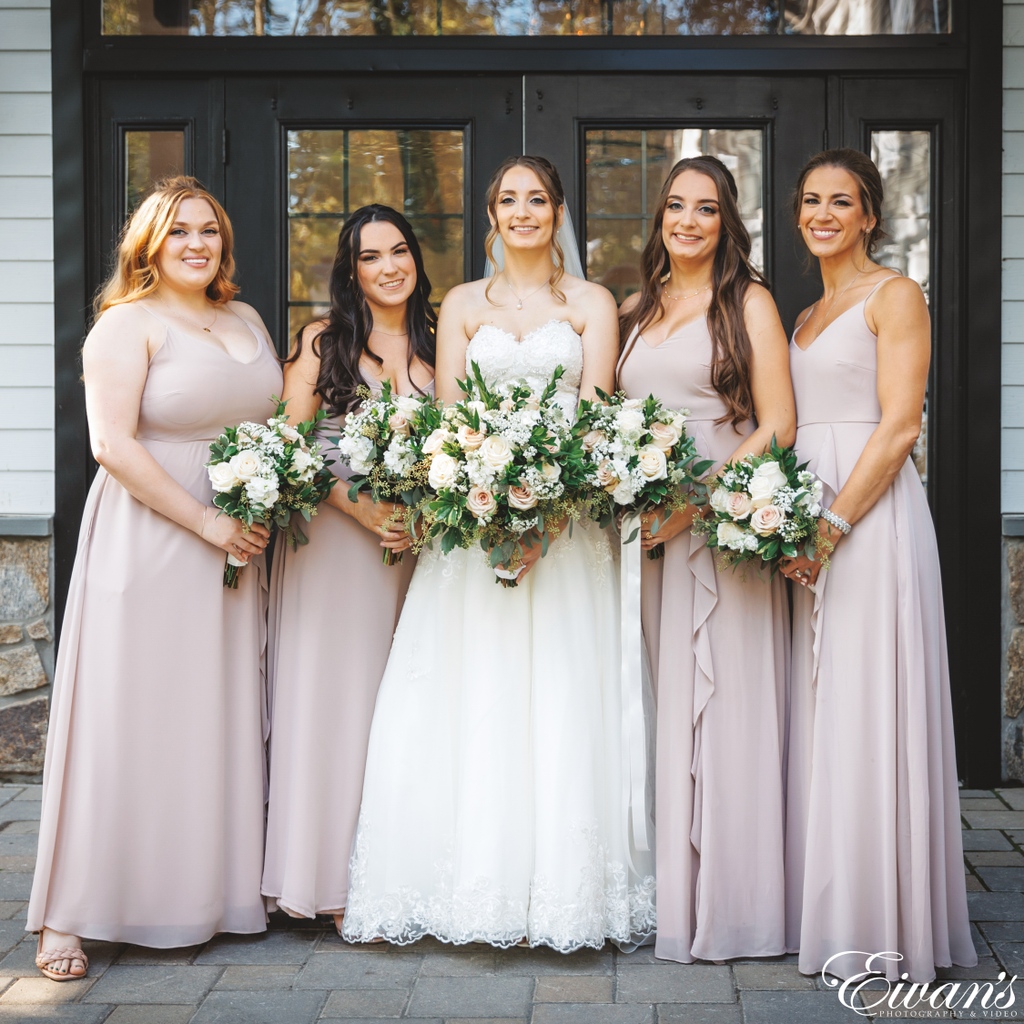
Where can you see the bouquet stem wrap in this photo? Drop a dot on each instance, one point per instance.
(232, 571)
(634, 736)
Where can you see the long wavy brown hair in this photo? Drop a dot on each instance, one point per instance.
(545, 170)
(135, 274)
(731, 275)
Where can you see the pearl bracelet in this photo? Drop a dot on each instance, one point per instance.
(837, 521)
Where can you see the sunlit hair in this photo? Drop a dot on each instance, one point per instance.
(869, 185)
(346, 334)
(731, 275)
(135, 274)
(552, 184)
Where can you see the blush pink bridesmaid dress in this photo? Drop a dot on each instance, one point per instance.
(334, 608)
(718, 645)
(874, 855)
(151, 829)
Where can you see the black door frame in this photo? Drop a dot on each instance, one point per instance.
(82, 60)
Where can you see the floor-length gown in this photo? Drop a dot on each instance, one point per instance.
(492, 804)
(718, 645)
(151, 828)
(333, 610)
(874, 857)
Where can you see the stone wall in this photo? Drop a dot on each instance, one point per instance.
(26, 651)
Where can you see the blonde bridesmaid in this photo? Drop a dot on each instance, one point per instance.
(703, 334)
(335, 605)
(874, 857)
(152, 811)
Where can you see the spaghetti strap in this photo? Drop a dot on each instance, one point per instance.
(156, 316)
(884, 281)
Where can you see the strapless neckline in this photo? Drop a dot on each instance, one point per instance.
(529, 334)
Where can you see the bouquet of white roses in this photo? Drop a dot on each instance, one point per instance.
(506, 471)
(639, 458)
(264, 473)
(382, 443)
(764, 506)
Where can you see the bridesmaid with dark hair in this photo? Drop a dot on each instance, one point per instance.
(703, 334)
(334, 604)
(874, 856)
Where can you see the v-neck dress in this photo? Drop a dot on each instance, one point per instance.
(874, 856)
(151, 829)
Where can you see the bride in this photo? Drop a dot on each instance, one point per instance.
(493, 807)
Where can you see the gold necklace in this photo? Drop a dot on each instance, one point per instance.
(685, 295)
(519, 301)
(832, 303)
(189, 320)
(389, 334)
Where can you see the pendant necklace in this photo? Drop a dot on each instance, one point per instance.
(189, 320)
(519, 301)
(685, 295)
(824, 318)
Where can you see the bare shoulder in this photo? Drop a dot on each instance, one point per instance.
(758, 300)
(898, 293)
(124, 328)
(312, 329)
(593, 297)
(629, 303)
(246, 312)
(464, 296)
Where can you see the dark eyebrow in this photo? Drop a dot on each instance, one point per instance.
(184, 223)
(532, 192)
(376, 252)
(699, 201)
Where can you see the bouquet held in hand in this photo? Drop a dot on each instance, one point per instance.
(506, 472)
(639, 458)
(266, 472)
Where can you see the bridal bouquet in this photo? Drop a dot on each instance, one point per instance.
(506, 469)
(266, 472)
(639, 458)
(763, 506)
(382, 442)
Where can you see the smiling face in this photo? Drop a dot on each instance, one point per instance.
(385, 266)
(832, 215)
(524, 212)
(691, 224)
(189, 257)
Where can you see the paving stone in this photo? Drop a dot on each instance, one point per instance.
(993, 906)
(20, 810)
(1002, 931)
(253, 979)
(26, 862)
(367, 1002)
(11, 933)
(674, 983)
(996, 858)
(459, 963)
(1011, 955)
(13, 910)
(592, 1013)
(984, 839)
(1000, 879)
(31, 793)
(266, 948)
(973, 884)
(987, 969)
(1016, 836)
(168, 984)
(40, 991)
(694, 1013)
(149, 1014)
(358, 970)
(20, 962)
(574, 989)
(989, 803)
(1014, 797)
(976, 819)
(540, 961)
(15, 885)
(141, 956)
(259, 1008)
(22, 828)
(471, 997)
(975, 794)
(68, 1013)
(772, 977)
(795, 1008)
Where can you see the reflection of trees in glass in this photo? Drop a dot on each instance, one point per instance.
(867, 17)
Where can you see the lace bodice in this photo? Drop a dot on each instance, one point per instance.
(502, 358)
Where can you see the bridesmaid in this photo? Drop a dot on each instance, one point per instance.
(703, 334)
(152, 810)
(874, 858)
(335, 605)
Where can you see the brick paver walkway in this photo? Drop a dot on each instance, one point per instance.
(301, 972)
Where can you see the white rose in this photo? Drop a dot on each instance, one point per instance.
(357, 452)
(398, 424)
(245, 465)
(767, 520)
(288, 432)
(630, 422)
(443, 471)
(481, 502)
(731, 536)
(551, 472)
(653, 464)
(623, 493)
(718, 499)
(477, 406)
(496, 452)
(301, 461)
(766, 480)
(471, 439)
(738, 504)
(592, 438)
(435, 441)
(532, 402)
(451, 413)
(222, 477)
(632, 403)
(406, 405)
(262, 492)
(506, 405)
(664, 435)
(521, 498)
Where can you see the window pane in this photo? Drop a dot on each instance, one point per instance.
(904, 160)
(523, 17)
(332, 172)
(148, 157)
(625, 170)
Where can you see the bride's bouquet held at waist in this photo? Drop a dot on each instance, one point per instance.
(639, 459)
(506, 470)
(267, 472)
(382, 443)
(763, 506)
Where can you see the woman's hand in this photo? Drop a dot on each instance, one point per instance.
(232, 536)
(804, 570)
(384, 519)
(672, 523)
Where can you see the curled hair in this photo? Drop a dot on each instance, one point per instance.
(869, 185)
(135, 274)
(731, 275)
(552, 183)
(345, 336)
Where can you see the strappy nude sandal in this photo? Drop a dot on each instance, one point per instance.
(44, 960)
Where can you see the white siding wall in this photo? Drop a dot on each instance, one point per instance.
(26, 260)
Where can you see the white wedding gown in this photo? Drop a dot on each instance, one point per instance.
(493, 807)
